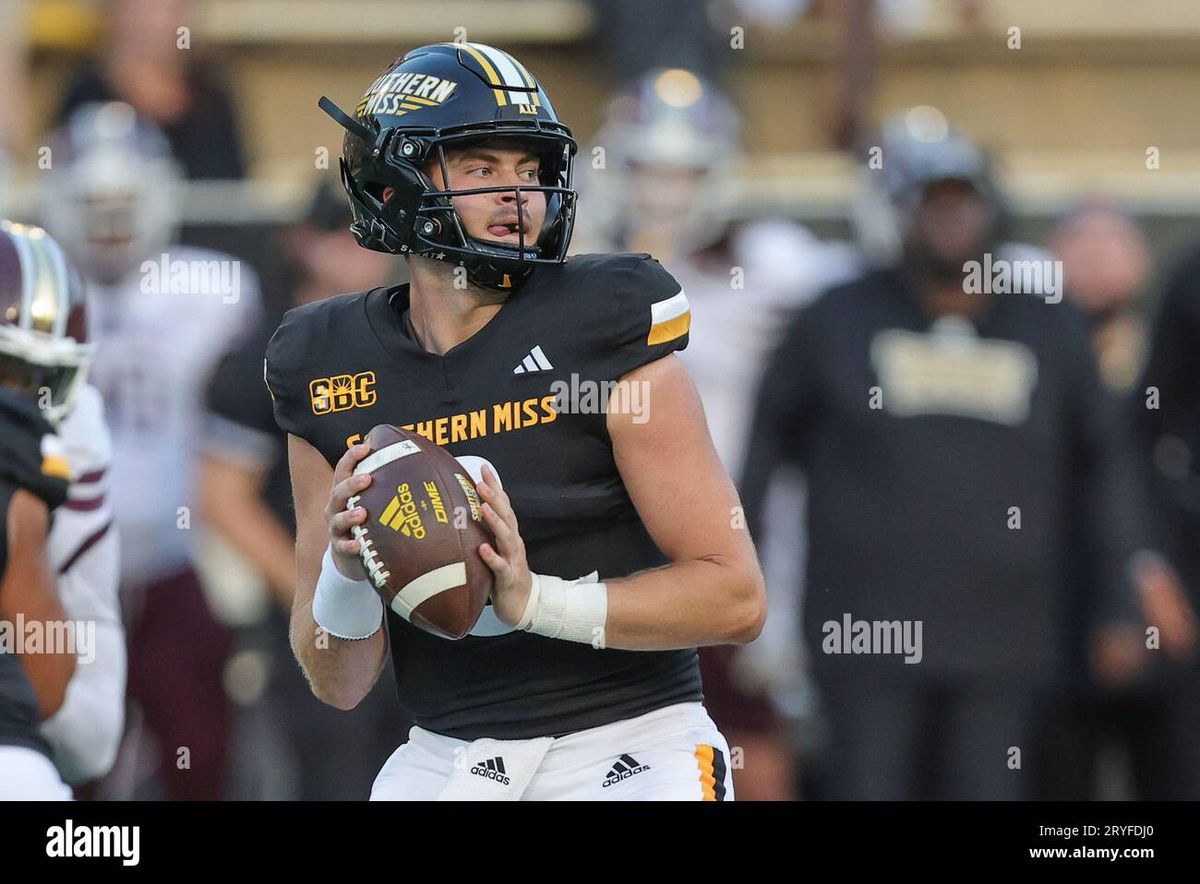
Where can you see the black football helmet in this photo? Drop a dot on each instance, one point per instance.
(441, 96)
(918, 147)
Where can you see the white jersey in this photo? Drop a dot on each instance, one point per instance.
(739, 311)
(84, 552)
(159, 333)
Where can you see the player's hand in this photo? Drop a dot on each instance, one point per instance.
(1118, 654)
(1165, 605)
(507, 558)
(345, 485)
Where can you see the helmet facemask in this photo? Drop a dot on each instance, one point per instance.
(36, 363)
(440, 227)
(436, 228)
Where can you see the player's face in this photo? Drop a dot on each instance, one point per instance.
(665, 193)
(494, 216)
(1104, 259)
(952, 222)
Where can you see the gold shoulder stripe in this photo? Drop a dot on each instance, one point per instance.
(56, 466)
(669, 329)
(669, 318)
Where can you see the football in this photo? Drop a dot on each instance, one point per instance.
(420, 540)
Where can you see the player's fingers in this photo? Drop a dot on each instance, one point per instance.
(495, 561)
(347, 547)
(341, 523)
(347, 462)
(346, 489)
(492, 495)
(504, 532)
(497, 493)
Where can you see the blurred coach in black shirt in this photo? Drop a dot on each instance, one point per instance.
(955, 434)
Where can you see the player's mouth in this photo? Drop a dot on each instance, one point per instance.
(508, 229)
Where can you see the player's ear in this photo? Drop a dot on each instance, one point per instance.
(387, 192)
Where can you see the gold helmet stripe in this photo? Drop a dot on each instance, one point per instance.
(493, 79)
(511, 77)
(537, 102)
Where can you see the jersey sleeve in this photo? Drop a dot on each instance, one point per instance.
(644, 317)
(283, 377)
(32, 455)
(240, 420)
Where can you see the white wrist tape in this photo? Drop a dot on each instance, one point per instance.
(345, 608)
(572, 610)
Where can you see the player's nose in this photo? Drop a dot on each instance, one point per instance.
(513, 180)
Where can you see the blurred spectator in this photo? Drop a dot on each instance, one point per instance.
(161, 316)
(247, 502)
(1166, 408)
(1100, 711)
(1105, 263)
(145, 63)
(950, 438)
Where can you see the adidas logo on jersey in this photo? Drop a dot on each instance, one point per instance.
(492, 769)
(535, 360)
(623, 769)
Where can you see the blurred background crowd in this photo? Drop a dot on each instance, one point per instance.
(815, 173)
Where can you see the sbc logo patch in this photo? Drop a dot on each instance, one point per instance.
(342, 392)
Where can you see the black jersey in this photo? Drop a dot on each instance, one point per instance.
(240, 425)
(338, 367)
(25, 462)
(947, 462)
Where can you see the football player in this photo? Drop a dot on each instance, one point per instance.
(501, 349)
(44, 359)
(162, 314)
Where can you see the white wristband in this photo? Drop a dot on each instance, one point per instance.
(345, 608)
(572, 610)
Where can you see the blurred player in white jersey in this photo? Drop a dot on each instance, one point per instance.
(666, 186)
(44, 355)
(162, 315)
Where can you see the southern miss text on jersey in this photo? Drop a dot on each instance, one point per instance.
(338, 367)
